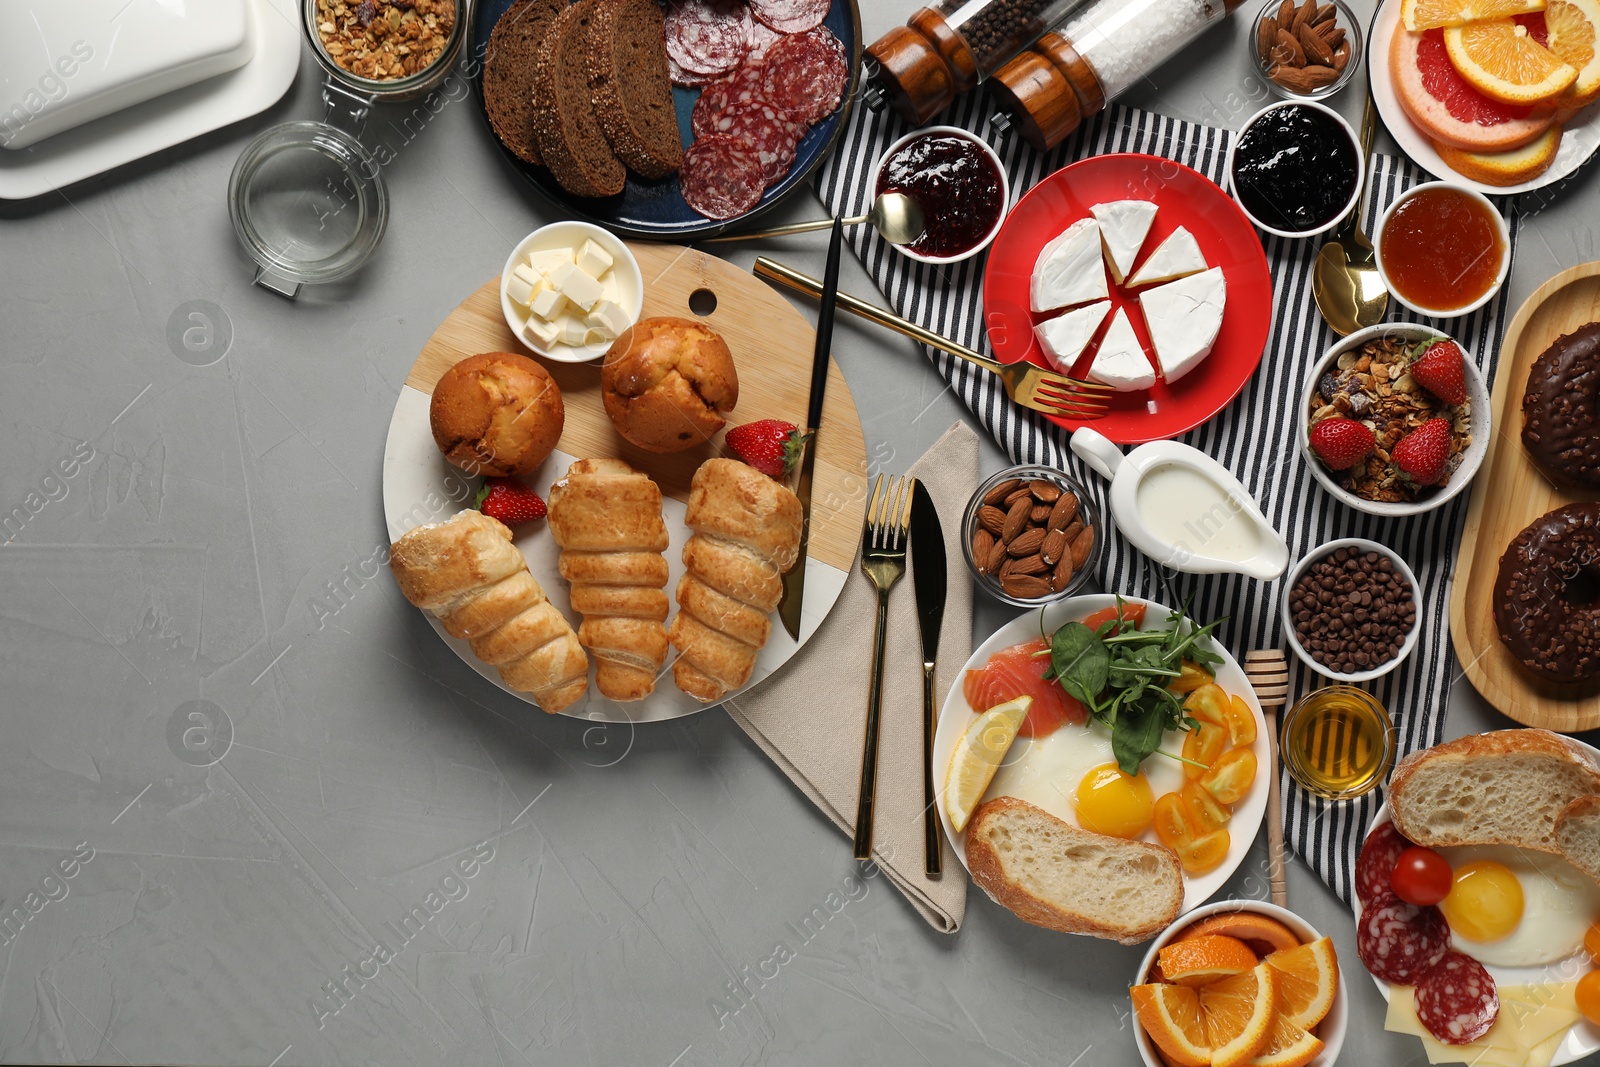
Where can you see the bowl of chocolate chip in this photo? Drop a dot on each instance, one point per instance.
(1350, 609)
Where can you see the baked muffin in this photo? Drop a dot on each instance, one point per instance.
(496, 413)
(668, 383)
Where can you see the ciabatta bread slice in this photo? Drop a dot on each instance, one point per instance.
(1578, 834)
(1499, 788)
(1052, 874)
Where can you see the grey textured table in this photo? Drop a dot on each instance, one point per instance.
(592, 895)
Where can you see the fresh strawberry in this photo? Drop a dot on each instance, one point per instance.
(1442, 371)
(1341, 443)
(1423, 454)
(510, 501)
(771, 446)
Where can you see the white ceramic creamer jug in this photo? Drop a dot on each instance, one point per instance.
(1183, 509)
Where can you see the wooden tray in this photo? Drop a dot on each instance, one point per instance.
(1509, 493)
(772, 346)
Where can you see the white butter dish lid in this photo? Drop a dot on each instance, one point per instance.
(65, 64)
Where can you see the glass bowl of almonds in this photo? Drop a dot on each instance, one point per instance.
(1031, 535)
(1307, 51)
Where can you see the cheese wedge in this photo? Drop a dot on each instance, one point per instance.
(1176, 257)
(1121, 362)
(1184, 317)
(1123, 226)
(1069, 269)
(1064, 337)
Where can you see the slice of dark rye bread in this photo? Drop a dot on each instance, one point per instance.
(631, 88)
(508, 67)
(570, 138)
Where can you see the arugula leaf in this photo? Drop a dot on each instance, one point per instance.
(1080, 662)
(1137, 734)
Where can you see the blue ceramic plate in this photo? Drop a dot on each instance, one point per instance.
(656, 209)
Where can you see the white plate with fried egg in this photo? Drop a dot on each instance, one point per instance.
(1544, 944)
(1046, 771)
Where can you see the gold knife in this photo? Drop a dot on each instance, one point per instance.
(794, 582)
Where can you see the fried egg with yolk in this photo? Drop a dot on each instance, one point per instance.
(1513, 908)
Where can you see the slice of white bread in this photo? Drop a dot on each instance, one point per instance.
(1499, 788)
(1578, 833)
(1052, 874)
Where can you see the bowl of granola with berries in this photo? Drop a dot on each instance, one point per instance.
(1395, 419)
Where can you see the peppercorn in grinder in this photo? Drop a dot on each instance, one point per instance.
(949, 48)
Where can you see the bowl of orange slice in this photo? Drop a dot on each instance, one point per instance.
(1239, 982)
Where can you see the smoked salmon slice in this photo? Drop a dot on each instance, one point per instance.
(1019, 671)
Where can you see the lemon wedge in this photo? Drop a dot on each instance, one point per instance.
(977, 756)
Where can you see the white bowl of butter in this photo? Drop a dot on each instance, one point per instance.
(569, 290)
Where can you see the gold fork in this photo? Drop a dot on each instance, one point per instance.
(883, 561)
(1030, 386)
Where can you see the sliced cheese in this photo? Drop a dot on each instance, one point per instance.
(1069, 269)
(1177, 256)
(1064, 337)
(1527, 1033)
(1121, 362)
(1184, 317)
(1123, 226)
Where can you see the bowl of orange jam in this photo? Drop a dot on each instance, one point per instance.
(1443, 250)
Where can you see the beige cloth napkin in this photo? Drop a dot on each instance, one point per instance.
(818, 743)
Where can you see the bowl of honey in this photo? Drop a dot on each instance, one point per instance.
(1443, 250)
(1338, 742)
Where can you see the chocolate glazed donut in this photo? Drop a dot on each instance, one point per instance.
(1547, 595)
(1561, 409)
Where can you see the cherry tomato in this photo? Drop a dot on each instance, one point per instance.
(1204, 853)
(1203, 745)
(1204, 810)
(1230, 777)
(1209, 703)
(1421, 876)
(1241, 723)
(1191, 677)
(1172, 822)
(1132, 612)
(1588, 992)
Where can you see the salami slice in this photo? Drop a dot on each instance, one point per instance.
(687, 78)
(805, 75)
(761, 37)
(1457, 1000)
(1399, 942)
(791, 16)
(1379, 853)
(707, 36)
(772, 135)
(740, 89)
(721, 176)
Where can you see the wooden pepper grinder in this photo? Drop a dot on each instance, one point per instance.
(946, 50)
(1072, 71)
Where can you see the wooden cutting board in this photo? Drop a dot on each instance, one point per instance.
(771, 344)
(1508, 494)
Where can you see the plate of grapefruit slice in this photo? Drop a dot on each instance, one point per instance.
(1499, 95)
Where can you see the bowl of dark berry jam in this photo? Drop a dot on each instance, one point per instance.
(958, 182)
(1294, 168)
(1443, 250)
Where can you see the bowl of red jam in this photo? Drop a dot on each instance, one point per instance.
(957, 180)
(1295, 168)
(1442, 249)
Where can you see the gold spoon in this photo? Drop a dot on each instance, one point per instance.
(1349, 291)
(894, 215)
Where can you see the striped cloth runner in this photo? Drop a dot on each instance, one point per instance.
(1250, 436)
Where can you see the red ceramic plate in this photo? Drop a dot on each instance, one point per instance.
(1183, 197)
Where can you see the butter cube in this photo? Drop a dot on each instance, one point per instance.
(575, 285)
(610, 288)
(608, 320)
(547, 304)
(520, 289)
(574, 331)
(543, 334)
(592, 259)
(548, 259)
